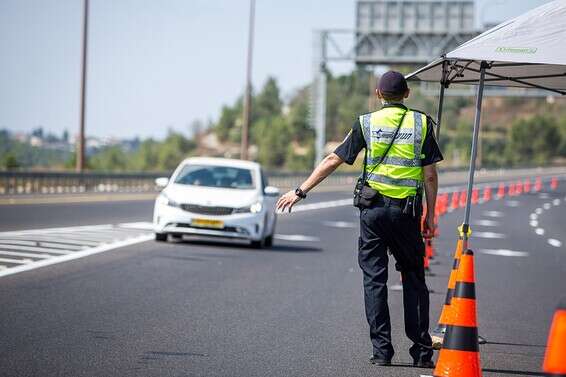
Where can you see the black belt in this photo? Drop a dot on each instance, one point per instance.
(387, 201)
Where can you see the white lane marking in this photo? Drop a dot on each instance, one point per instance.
(493, 214)
(143, 225)
(556, 202)
(544, 195)
(554, 242)
(77, 255)
(14, 261)
(56, 246)
(483, 222)
(539, 231)
(490, 235)
(340, 224)
(538, 211)
(546, 206)
(33, 248)
(504, 252)
(512, 203)
(27, 255)
(296, 237)
(533, 216)
(533, 223)
(396, 287)
(55, 230)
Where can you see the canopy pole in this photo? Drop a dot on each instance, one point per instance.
(440, 101)
(472, 170)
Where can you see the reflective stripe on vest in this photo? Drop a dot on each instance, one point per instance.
(400, 173)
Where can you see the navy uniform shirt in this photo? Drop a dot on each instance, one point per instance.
(355, 142)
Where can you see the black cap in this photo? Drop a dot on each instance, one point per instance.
(392, 83)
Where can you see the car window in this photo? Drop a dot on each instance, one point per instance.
(216, 176)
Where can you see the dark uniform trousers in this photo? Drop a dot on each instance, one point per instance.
(384, 226)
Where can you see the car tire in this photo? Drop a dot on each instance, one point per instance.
(258, 244)
(268, 242)
(161, 237)
(177, 237)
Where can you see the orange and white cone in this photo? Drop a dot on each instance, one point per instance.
(459, 355)
(555, 357)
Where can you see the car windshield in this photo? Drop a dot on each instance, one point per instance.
(216, 176)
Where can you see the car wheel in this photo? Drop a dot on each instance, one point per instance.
(258, 244)
(268, 241)
(177, 237)
(161, 237)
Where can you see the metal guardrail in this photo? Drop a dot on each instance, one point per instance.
(29, 183)
(52, 183)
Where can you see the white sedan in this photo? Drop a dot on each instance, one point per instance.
(216, 197)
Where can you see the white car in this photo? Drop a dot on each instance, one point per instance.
(216, 197)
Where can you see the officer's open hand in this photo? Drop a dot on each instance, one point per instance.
(429, 227)
(287, 201)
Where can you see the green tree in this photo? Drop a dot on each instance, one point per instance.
(10, 162)
(110, 158)
(273, 138)
(534, 141)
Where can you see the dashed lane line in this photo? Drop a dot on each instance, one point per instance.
(496, 214)
(489, 235)
(539, 231)
(504, 252)
(340, 224)
(554, 242)
(26, 255)
(296, 237)
(484, 222)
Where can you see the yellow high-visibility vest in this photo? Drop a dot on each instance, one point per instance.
(401, 173)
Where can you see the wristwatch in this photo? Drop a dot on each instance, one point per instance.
(300, 193)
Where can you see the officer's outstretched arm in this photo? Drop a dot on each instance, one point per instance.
(323, 170)
(430, 176)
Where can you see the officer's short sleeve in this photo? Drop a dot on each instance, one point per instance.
(352, 144)
(430, 149)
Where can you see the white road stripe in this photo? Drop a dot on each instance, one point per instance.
(544, 195)
(539, 231)
(493, 213)
(77, 255)
(28, 255)
(546, 206)
(490, 235)
(340, 224)
(39, 244)
(554, 242)
(319, 205)
(504, 252)
(484, 222)
(556, 202)
(14, 261)
(296, 237)
(538, 211)
(33, 248)
(512, 203)
(533, 223)
(533, 216)
(139, 225)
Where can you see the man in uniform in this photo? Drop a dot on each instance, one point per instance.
(401, 153)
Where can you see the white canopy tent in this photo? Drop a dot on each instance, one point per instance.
(527, 52)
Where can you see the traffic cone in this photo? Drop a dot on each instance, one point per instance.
(487, 194)
(519, 188)
(459, 355)
(438, 333)
(475, 196)
(538, 184)
(511, 189)
(555, 356)
(553, 183)
(455, 200)
(527, 186)
(463, 199)
(501, 191)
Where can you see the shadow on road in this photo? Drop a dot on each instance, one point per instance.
(277, 247)
(517, 344)
(514, 372)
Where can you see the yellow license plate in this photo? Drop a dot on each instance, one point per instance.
(207, 223)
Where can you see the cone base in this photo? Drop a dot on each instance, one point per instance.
(457, 363)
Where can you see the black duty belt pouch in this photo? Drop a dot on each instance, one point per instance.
(363, 194)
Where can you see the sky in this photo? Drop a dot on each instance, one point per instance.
(159, 65)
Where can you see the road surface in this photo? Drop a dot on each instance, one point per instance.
(218, 309)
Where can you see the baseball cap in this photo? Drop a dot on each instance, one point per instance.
(392, 82)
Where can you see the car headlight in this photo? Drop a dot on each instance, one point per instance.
(165, 200)
(254, 208)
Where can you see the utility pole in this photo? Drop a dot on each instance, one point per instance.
(248, 92)
(80, 152)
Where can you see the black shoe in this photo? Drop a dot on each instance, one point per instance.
(375, 360)
(429, 364)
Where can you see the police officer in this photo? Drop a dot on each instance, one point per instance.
(401, 153)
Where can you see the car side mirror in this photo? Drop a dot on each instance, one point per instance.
(271, 191)
(161, 182)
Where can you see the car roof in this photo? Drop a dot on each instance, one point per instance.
(222, 162)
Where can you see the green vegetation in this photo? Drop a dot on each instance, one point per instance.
(516, 131)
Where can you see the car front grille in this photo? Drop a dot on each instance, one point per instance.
(207, 210)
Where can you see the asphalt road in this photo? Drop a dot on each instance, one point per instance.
(203, 309)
